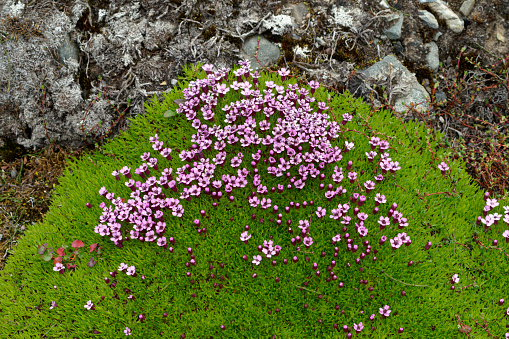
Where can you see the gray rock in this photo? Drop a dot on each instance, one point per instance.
(428, 18)
(68, 50)
(438, 35)
(440, 98)
(14, 173)
(443, 12)
(384, 4)
(406, 90)
(299, 12)
(320, 42)
(267, 54)
(467, 7)
(394, 33)
(432, 58)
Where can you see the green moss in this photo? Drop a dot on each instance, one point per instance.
(242, 305)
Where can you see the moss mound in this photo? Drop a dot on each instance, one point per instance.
(203, 281)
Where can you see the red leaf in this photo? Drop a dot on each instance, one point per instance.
(77, 244)
(92, 247)
(57, 259)
(60, 251)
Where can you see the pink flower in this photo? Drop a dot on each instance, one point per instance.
(384, 221)
(374, 142)
(358, 328)
(283, 72)
(245, 236)
(265, 203)
(303, 224)
(122, 267)
(127, 331)
(58, 267)
(53, 304)
(349, 146)
(257, 259)
(492, 202)
(269, 252)
(131, 270)
(396, 243)
(308, 241)
(336, 238)
(370, 185)
(443, 167)
(320, 212)
(363, 231)
(455, 278)
(385, 311)
(314, 85)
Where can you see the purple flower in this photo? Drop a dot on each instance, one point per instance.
(308, 241)
(336, 238)
(122, 267)
(53, 304)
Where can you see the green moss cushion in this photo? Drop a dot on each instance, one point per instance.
(235, 290)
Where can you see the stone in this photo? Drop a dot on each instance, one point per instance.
(68, 50)
(408, 88)
(299, 12)
(466, 7)
(394, 33)
(268, 53)
(432, 57)
(428, 18)
(452, 20)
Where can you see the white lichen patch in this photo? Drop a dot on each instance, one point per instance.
(301, 52)
(341, 16)
(16, 9)
(279, 24)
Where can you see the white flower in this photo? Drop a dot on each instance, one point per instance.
(455, 278)
(89, 305)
